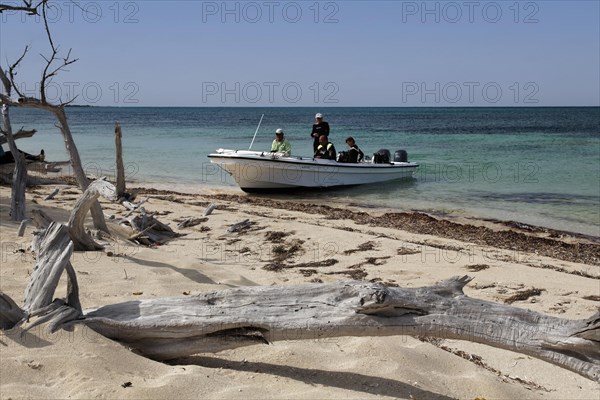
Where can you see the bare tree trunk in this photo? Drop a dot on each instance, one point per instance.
(19, 182)
(97, 214)
(120, 168)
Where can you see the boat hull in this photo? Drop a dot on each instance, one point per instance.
(256, 171)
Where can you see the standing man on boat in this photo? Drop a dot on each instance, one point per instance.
(280, 145)
(325, 149)
(319, 128)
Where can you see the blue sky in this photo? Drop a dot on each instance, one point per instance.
(307, 53)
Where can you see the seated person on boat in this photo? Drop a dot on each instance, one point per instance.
(280, 144)
(326, 149)
(353, 155)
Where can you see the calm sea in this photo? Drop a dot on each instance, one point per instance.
(534, 165)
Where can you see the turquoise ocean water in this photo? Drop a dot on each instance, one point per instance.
(534, 165)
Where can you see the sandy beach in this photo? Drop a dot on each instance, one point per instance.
(291, 242)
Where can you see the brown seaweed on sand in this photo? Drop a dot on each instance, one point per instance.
(361, 247)
(477, 267)
(523, 295)
(416, 222)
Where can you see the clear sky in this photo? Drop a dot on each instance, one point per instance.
(307, 53)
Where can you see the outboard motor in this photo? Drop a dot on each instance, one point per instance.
(400, 156)
(381, 157)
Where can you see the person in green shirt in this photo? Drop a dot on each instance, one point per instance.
(280, 145)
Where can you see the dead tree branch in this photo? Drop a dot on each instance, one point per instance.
(48, 73)
(21, 134)
(27, 7)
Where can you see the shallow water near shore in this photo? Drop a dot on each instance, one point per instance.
(534, 165)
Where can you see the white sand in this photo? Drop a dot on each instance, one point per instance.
(83, 364)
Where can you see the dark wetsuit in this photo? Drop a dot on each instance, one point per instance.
(326, 152)
(320, 129)
(356, 154)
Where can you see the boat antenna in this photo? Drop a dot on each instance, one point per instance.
(257, 128)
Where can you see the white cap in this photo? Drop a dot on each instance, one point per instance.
(278, 131)
(319, 115)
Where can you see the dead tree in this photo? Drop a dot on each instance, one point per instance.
(120, 169)
(19, 181)
(52, 68)
(169, 328)
(30, 7)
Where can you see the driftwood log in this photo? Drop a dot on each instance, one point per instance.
(42, 167)
(81, 239)
(190, 221)
(211, 207)
(22, 227)
(169, 328)
(148, 230)
(54, 249)
(52, 194)
(176, 327)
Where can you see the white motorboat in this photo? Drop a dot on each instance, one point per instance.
(256, 171)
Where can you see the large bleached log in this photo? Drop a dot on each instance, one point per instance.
(175, 327)
(169, 328)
